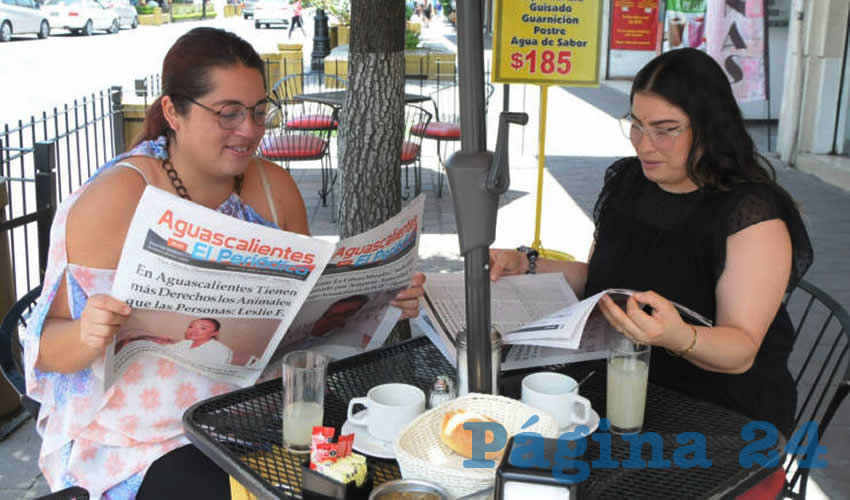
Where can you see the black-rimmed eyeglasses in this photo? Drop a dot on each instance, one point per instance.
(230, 116)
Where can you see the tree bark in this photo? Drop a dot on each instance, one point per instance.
(372, 122)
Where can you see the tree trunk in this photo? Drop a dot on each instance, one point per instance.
(372, 122)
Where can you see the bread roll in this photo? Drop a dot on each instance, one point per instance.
(459, 439)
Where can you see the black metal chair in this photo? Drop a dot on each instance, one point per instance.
(445, 127)
(415, 118)
(822, 337)
(11, 352)
(12, 365)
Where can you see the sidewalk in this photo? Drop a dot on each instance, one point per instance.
(582, 140)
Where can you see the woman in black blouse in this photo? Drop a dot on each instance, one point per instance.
(696, 218)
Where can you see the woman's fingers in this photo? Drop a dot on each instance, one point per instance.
(101, 319)
(408, 299)
(504, 263)
(108, 303)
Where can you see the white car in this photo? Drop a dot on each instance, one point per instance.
(268, 12)
(82, 16)
(22, 16)
(127, 15)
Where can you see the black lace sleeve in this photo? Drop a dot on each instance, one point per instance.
(616, 182)
(754, 203)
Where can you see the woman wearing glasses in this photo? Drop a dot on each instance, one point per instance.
(198, 142)
(696, 218)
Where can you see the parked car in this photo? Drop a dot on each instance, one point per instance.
(268, 12)
(248, 9)
(82, 16)
(22, 16)
(127, 15)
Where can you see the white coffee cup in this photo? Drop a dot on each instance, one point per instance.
(391, 407)
(556, 394)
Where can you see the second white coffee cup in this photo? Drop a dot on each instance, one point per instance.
(556, 394)
(391, 407)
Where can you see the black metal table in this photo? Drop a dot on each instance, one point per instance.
(336, 98)
(242, 431)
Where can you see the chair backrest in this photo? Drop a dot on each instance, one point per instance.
(821, 340)
(415, 118)
(305, 83)
(446, 98)
(11, 353)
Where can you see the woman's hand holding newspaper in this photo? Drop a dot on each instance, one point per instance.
(408, 299)
(101, 319)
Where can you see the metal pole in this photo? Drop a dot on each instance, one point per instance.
(45, 197)
(118, 120)
(474, 140)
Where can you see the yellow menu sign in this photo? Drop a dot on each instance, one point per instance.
(548, 42)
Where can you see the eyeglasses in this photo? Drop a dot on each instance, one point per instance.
(230, 116)
(663, 138)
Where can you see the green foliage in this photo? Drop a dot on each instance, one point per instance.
(411, 39)
(192, 15)
(341, 9)
(447, 6)
(146, 9)
(408, 12)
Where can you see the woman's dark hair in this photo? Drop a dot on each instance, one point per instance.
(186, 71)
(693, 81)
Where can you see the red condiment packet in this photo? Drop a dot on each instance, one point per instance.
(321, 436)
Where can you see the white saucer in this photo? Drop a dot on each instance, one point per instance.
(366, 443)
(591, 425)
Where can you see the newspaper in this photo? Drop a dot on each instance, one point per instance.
(516, 301)
(349, 312)
(565, 328)
(219, 296)
(539, 317)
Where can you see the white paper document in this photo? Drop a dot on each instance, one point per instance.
(538, 315)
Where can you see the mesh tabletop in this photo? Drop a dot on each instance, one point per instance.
(242, 431)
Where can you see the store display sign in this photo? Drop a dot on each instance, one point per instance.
(547, 42)
(634, 24)
(685, 22)
(736, 40)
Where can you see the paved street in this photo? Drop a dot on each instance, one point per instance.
(39, 74)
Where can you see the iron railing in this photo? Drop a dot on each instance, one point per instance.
(42, 160)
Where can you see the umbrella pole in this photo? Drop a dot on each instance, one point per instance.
(476, 253)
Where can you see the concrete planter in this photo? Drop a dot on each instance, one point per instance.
(338, 67)
(343, 33)
(147, 20)
(441, 65)
(416, 62)
(333, 35)
(134, 119)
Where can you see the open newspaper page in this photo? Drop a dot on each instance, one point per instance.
(349, 312)
(210, 292)
(566, 328)
(516, 301)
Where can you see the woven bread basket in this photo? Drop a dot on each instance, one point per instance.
(421, 453)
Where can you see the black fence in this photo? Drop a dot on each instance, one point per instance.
(43, 159)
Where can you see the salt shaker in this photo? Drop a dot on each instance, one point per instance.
(442, 391)
(462, 364)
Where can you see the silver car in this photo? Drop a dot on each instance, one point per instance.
(22, 16)
(82, 16)
(268, 12)
(127, 15)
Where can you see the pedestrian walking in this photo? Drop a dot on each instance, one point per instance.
(296, 19)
